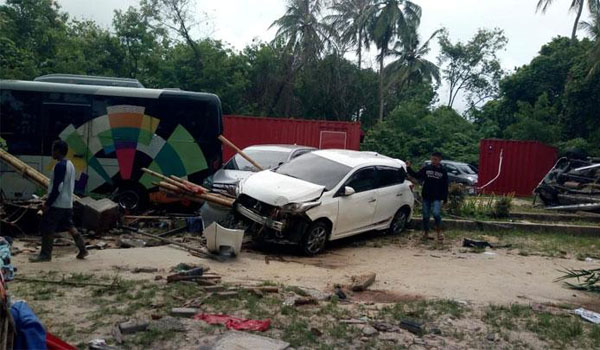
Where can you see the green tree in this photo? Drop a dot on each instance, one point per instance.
(32, 31)
(592, 27)
(351, 21)
(410, 65)
(392, 19)
(140, 41)
(412, 132)
(576, 6)
(472, 67)
(305, 36)
(538, 122)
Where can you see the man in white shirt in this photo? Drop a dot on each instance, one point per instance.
(58, 208)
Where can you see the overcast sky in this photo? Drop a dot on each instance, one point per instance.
(238, 22)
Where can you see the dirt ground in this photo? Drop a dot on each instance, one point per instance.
(495, 276)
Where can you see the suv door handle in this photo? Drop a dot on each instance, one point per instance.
(373, 200)
(399, 194)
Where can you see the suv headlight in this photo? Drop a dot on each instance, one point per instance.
(299, 207)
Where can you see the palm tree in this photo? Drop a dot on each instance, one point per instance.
(305, 37)
(592, 27)
(351, 21)
(411, 64)
(392, 19)
(301, 29)
(576, 6)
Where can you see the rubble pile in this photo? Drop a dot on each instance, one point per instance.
(572, 184)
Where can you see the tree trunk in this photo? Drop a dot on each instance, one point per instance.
(576, 24)
(359, 49)
(381, 87)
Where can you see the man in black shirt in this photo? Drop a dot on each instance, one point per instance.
(435, 190)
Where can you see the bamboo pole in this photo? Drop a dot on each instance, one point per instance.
(240, 152)
(27, 171)
(180, 187)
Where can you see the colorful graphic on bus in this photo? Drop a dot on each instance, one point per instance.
(122, 132)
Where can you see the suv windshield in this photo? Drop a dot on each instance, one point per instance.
(267, 159)
(315, 169)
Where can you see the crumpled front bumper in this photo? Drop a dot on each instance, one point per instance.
(278, 226)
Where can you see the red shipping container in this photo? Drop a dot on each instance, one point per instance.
(523, 165)
(246, 131)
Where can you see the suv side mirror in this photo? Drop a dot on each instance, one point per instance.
(348, 191)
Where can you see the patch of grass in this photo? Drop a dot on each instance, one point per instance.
(298, 333)
(150, 337)
(559, 331)
(424, 310)
(546, 244)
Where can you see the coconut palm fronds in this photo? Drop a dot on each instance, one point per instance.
(587, 280)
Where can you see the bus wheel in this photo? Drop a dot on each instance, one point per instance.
(131, 197)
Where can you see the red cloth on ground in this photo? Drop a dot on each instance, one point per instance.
(231, 322)
(55, 343)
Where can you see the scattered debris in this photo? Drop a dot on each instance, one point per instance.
(572, 184)
(296, 300)
(144, 270)
(588, 315)
(234, 322)
(195, 251)
(412, 326)
(124, 242)
(471, 243)
(133, 326)
(369, 331)
(99, 344)
(185, 312)
(362, 282)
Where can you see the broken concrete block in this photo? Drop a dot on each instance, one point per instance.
(144, 270)
(98, 215)
(362, 282)
(369, 331)
(132, 326)
(131, 243)
(246, 341)
(184, 311)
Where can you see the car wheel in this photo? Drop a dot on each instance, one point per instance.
(399, 222)
(315, 238)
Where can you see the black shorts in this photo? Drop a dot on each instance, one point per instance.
(57, 220)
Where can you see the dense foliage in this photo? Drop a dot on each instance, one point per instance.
(305, 71)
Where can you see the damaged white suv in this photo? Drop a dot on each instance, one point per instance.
(326, 195)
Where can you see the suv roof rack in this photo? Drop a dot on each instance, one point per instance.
(89, 80)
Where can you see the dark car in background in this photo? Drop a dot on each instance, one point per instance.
(461, 173)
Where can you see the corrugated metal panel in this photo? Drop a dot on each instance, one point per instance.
(246, 131)
(524, 164)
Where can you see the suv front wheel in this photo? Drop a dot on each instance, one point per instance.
(315, 238)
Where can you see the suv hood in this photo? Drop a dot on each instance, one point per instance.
(279, 190)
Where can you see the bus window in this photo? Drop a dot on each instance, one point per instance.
(20, 125)
(59, 115)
